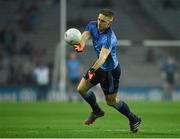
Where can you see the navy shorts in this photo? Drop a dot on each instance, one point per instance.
(109, 80)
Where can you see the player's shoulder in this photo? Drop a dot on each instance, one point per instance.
(110, 32)
(111, 35)
(91, 26)
(92, 23)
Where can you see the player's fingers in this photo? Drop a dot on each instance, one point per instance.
(76, 49)
(90, 75)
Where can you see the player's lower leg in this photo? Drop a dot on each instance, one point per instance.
(96, 110)
(134, 121)
(93, 116)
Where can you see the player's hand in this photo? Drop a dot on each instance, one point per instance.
(91, 73)
(79, 47)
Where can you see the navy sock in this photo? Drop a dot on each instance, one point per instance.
(90, 98)
(123, 108)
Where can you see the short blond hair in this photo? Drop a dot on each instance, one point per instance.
(107, 12)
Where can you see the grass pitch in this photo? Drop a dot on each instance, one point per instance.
(65, 120)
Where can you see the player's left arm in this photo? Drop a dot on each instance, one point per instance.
(102, 58)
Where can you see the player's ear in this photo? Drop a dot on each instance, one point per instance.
(110, 23)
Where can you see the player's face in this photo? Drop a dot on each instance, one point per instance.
(104, 22)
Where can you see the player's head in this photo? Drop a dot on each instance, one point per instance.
(105, 19)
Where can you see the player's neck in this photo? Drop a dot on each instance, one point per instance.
(101, 31)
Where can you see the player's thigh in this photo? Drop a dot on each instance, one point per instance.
(110, 81)
(84, 86)
(111, 99)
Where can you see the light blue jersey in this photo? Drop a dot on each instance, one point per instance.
(106, 39)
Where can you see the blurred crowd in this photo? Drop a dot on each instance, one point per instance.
(19, 58)
(23, 62)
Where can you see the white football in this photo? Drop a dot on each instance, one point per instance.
(72, 36)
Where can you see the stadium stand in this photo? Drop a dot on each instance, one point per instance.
(166, 17)
(134, 24)
(135, 20)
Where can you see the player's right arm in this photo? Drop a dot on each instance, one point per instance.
(85, 36)
(80, 47)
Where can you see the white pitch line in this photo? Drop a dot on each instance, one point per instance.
(120, 130)
(117, 130)
(106, 130)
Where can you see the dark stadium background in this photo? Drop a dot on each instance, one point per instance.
(148, 33)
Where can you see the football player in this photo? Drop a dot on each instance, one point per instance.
(106, 69)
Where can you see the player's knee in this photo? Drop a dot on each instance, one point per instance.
(111, 102)
(80, 90)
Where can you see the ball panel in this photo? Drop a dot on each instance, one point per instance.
(72, 36)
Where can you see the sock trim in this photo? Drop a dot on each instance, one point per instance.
(119, 105)
(88, 95)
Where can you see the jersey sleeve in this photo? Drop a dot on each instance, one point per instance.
(106, 42)
(89, 27)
